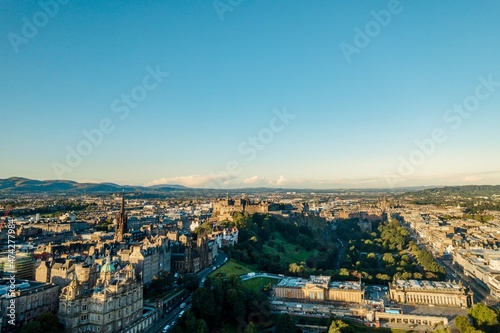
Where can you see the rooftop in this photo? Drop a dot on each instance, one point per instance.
(428, 285)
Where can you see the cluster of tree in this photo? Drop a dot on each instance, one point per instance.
(338, 326)
(383, 254)
(258, 232)
(430, 265)
(393, 235)
(225, 302)
(159, 285)
(47, 322)
(482, 320)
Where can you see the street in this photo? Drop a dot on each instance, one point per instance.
(172, 316)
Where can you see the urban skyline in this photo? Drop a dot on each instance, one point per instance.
(325, 95)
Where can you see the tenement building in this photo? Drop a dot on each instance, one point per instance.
(319, 288)
(115, 304)
(30, 299)
(430, 292)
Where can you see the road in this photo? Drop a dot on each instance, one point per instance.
(172, 316)
(340, 255)
(481, 294)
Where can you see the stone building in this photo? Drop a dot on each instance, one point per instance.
(193, 256)
(224, 209)
(149, 258)
(226, 237)
(319, 288)
(115, 304)
(430, 292)
(63, 271)
(31, 299)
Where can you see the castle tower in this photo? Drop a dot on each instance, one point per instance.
(121, 221)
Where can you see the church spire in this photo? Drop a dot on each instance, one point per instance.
(123, 203)
(121, 221)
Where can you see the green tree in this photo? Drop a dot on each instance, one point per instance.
(338, 326)
(202, 327)
(47, 322)
(284, 324)
(485, 318)
(251, 328)
(204, 304)
(388, 259)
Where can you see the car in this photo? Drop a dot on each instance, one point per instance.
(166, 328)
(181, 313)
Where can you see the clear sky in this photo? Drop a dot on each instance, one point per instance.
(230, 93)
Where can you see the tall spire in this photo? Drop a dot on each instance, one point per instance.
(123, 203)
(121, 221)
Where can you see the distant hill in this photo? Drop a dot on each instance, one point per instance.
(466, 191)
(18, 184)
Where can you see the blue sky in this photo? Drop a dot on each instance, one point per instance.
(257, 93)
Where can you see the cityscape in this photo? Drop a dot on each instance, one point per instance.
(231, 166)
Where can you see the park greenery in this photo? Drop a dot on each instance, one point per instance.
(225, 301)
(283, 246)
(303, 248)
(384, 254)
(481, 319)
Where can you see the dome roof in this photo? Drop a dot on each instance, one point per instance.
(108, 268)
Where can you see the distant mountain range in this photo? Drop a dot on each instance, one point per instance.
(24, 185)
(18, 184)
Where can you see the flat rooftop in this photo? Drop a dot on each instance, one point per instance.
(427, 285)
(290, 282)
(293, 282)
(345, 285)
(21, 285)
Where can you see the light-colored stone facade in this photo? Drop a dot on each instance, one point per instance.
(224, 209)
(31, 299)
(114, 305)
(319, 288)
(430, 292)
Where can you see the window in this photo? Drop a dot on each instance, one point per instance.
(84, 307)
(84, 318)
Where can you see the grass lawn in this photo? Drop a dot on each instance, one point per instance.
(290, 253)
(257, 284)
(230, 268)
